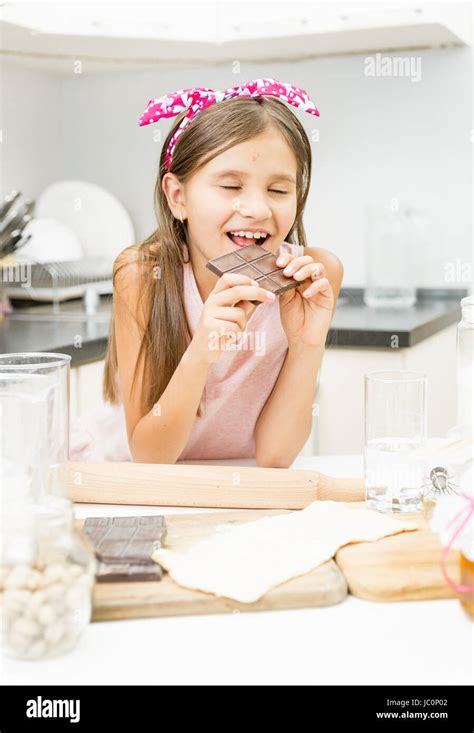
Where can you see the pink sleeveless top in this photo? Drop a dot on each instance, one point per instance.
(237, 387)
(239, 382)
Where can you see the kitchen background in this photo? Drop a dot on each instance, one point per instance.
(75, 80)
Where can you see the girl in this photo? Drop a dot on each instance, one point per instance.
(198, 371)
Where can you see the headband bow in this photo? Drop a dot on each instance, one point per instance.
(198, 98)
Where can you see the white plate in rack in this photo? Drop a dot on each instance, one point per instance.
(51, 241)
(101, 223)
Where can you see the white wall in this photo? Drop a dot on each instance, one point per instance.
(32, 125)
(379, 138)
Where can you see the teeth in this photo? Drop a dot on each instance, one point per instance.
(249, 235)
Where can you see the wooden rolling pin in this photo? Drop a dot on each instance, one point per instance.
(234, 487)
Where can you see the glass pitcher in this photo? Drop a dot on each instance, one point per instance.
(391, 239)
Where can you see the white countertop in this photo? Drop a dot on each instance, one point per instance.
(355, 642)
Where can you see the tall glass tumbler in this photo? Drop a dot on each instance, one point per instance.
(34, 425)
(395, 439)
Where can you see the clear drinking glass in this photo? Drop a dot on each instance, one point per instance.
(34, 425)
(395, 438)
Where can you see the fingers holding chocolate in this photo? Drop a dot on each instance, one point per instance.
(313, 271)
(323, 288)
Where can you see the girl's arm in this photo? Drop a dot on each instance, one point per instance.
(160, 435)
(285, 421)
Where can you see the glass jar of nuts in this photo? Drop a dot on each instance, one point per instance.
(46, 580)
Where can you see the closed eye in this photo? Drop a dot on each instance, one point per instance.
(235, 188)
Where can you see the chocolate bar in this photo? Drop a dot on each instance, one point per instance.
(108, 572)
(259, 264)
(124, 545)
(125, 539)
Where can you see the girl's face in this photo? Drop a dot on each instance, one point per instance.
(250, 187)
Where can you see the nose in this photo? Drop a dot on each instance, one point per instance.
(253, 205)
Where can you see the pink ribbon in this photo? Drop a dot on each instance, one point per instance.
(198, 98)
(468, 510)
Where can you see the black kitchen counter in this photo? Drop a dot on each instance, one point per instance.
(355, 324)
(72, 331)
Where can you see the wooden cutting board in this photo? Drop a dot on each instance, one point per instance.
(323, 586)
(397, 568)
(403, 567)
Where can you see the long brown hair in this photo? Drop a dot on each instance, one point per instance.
(166, 333)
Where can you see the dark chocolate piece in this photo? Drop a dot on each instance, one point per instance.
(259, 264)
(126, 539)
(108, 572)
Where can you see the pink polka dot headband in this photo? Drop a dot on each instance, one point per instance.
(198, 98)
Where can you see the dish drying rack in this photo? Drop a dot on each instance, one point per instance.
(59, 281)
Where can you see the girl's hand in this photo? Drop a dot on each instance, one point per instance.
(306, 311)
(225, 314)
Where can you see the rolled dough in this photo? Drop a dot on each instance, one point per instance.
(243, 562)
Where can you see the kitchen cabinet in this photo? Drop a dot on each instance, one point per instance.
(102, 41)
(86, 387)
